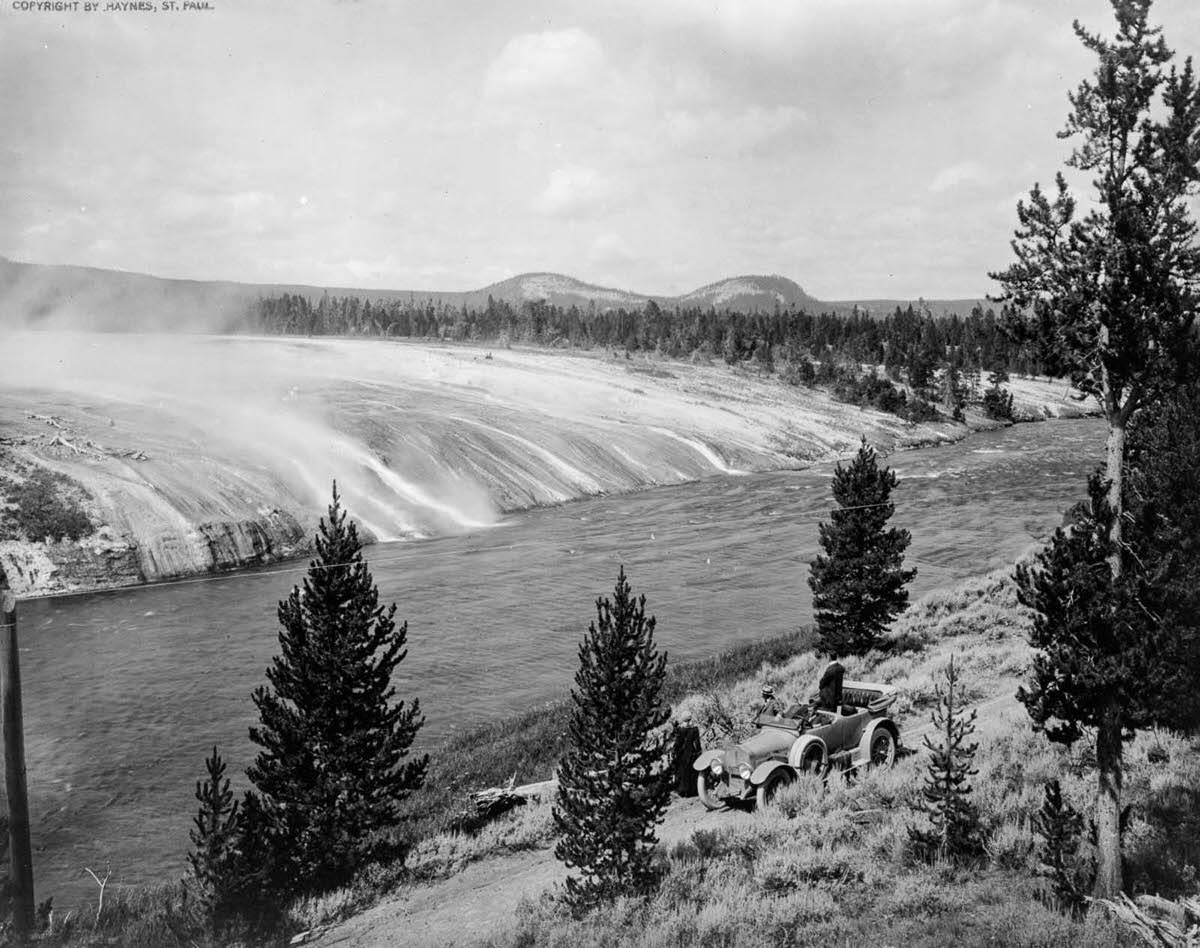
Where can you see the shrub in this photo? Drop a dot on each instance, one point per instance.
(799, 373)
(919, 410)
(42, 506)
(998, 404)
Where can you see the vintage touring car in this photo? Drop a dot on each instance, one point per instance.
(859, 733)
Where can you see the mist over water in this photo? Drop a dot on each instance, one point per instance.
(127, 691)
(258, 412)
(208, 451)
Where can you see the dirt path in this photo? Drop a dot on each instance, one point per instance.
(481, 899)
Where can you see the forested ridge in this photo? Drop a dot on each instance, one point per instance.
(907, 340)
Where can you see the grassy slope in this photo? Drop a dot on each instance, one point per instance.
(830, 865)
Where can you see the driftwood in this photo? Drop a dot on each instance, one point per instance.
(61, 442)
(496, 800)
(1158, 922)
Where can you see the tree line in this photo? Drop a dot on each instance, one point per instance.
(911, 338)
(931, 364)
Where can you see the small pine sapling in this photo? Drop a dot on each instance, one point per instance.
(1060, 825)
(615, 781)
(955, 831)
(214, 841)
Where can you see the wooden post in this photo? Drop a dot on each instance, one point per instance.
(14, 766)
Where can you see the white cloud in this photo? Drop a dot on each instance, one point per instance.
(573, 191)
(963, 174)
(609, 249)
(540, 63)
(731, 132)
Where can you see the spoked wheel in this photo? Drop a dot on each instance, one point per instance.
(813, 761)
(706, 785)
(883, 748)
(777, 780)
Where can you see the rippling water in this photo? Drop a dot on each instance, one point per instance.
(127, 691)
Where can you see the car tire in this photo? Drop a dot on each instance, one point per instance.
(704, 788)
(776, 781)
(883, 748)
(813, 760)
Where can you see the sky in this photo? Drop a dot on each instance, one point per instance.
(864, 148)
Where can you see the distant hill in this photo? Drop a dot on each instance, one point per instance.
(60, 295)
(751, 293)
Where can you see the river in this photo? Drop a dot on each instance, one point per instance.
(126, 691)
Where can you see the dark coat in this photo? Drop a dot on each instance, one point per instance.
(830, 689)
(687, 749)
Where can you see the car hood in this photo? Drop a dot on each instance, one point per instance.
(758, 747)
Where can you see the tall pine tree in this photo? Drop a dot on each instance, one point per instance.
(335, 744)
(858, 584)
(615, 781)
(1096, 644)
(1111, 295)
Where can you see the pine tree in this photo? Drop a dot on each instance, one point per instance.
(858, 585)
(998, 404)
(1060, 826)
(1163, 535)
(214, 840)
(1111, 297)
(1097, 645)
(615, 781)
(333, 768)
(955, 829)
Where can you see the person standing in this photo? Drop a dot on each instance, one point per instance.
(829, 690)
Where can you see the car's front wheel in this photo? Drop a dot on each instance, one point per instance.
(883, 748)
(776, 781)
(706, 785)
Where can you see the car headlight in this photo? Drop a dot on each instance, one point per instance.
(716, 768)
(745, 771)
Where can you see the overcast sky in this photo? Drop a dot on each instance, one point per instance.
(864, 148)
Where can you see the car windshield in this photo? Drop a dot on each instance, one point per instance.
(793, 718)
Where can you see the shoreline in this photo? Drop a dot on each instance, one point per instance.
(178, 497)
(105, 549)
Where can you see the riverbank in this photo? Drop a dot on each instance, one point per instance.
(197, 454)
(830, 864)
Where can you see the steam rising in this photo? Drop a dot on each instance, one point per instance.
(249, 423)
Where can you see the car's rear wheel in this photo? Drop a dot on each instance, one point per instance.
(883, 748)
(706, 785)
(776, 781)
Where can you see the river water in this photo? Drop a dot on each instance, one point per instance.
(126, 691)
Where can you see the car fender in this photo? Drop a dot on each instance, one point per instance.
(765, 769)
(863, 752)
(703, 761)
(803, 743)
